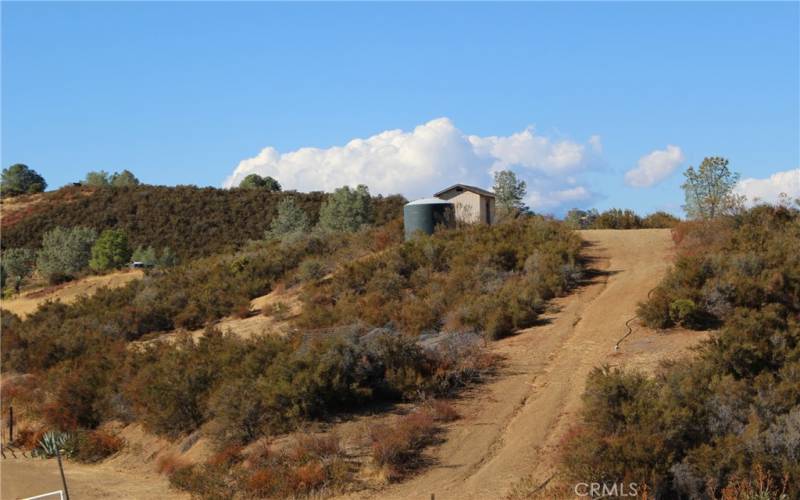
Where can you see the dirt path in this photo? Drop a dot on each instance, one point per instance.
(512, 426)
(24, 477)
(29, 301)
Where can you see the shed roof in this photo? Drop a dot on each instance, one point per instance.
(465, 187)
(430, 201)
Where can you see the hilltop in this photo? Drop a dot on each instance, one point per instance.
(192, 221)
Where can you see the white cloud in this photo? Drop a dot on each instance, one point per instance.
(418, 163)
(552, 199)
(768, 190)
(654, 167)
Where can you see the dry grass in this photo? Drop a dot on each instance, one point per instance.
(169, 463)
(69, 292)
(396, 449)
(443, 411)
(761, 487)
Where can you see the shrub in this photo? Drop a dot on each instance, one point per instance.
(28, 438)
(683, 312)
(312, 270)
(278, 310)
(82, 391)
(346, 209)
(65, 252)
(110, 251)
(498, 324)
(170, 388)
(398, 448)
(660, 220)
(617, 219)
(227, 457)
(423, 283)
(307, 465)
(19, 263)
(655, 312)
(443, 411)
(242, 310)
(97, 179)
(93, 446)
(170, 463)
(291, 219)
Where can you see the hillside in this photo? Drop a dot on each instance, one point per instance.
(75, 367)
(347, 334)
(511, 425)
(511, 429)
(191, 221)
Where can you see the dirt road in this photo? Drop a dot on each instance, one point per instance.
(25, 477)
(512, 426)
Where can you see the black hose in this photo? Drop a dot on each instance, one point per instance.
(628, 323)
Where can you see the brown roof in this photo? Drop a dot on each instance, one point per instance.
(465, 187)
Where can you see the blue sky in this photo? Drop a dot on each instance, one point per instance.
(571, 96)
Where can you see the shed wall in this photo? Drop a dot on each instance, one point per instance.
(471, 207)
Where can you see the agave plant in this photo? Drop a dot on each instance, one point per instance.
(53, 441)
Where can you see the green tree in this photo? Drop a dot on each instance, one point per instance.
(65, 252)
(290, 219)
(346, 209)
(21, 179)
(98, 179)
(255, 181)
(709, 189)
(509, 192)
(110, 251)
(19, 263)
(123, 179)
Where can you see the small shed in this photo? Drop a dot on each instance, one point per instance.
(424, 215)
(472, 204)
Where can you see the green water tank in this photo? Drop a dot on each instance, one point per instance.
(424, 215)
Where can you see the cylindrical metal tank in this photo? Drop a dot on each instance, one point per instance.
(424, 215)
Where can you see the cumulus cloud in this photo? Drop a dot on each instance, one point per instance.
(769, 190)
(654, 167)
(433, 155)
(555, 194)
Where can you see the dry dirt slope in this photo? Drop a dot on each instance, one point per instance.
(69, 292)
(512, 427)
